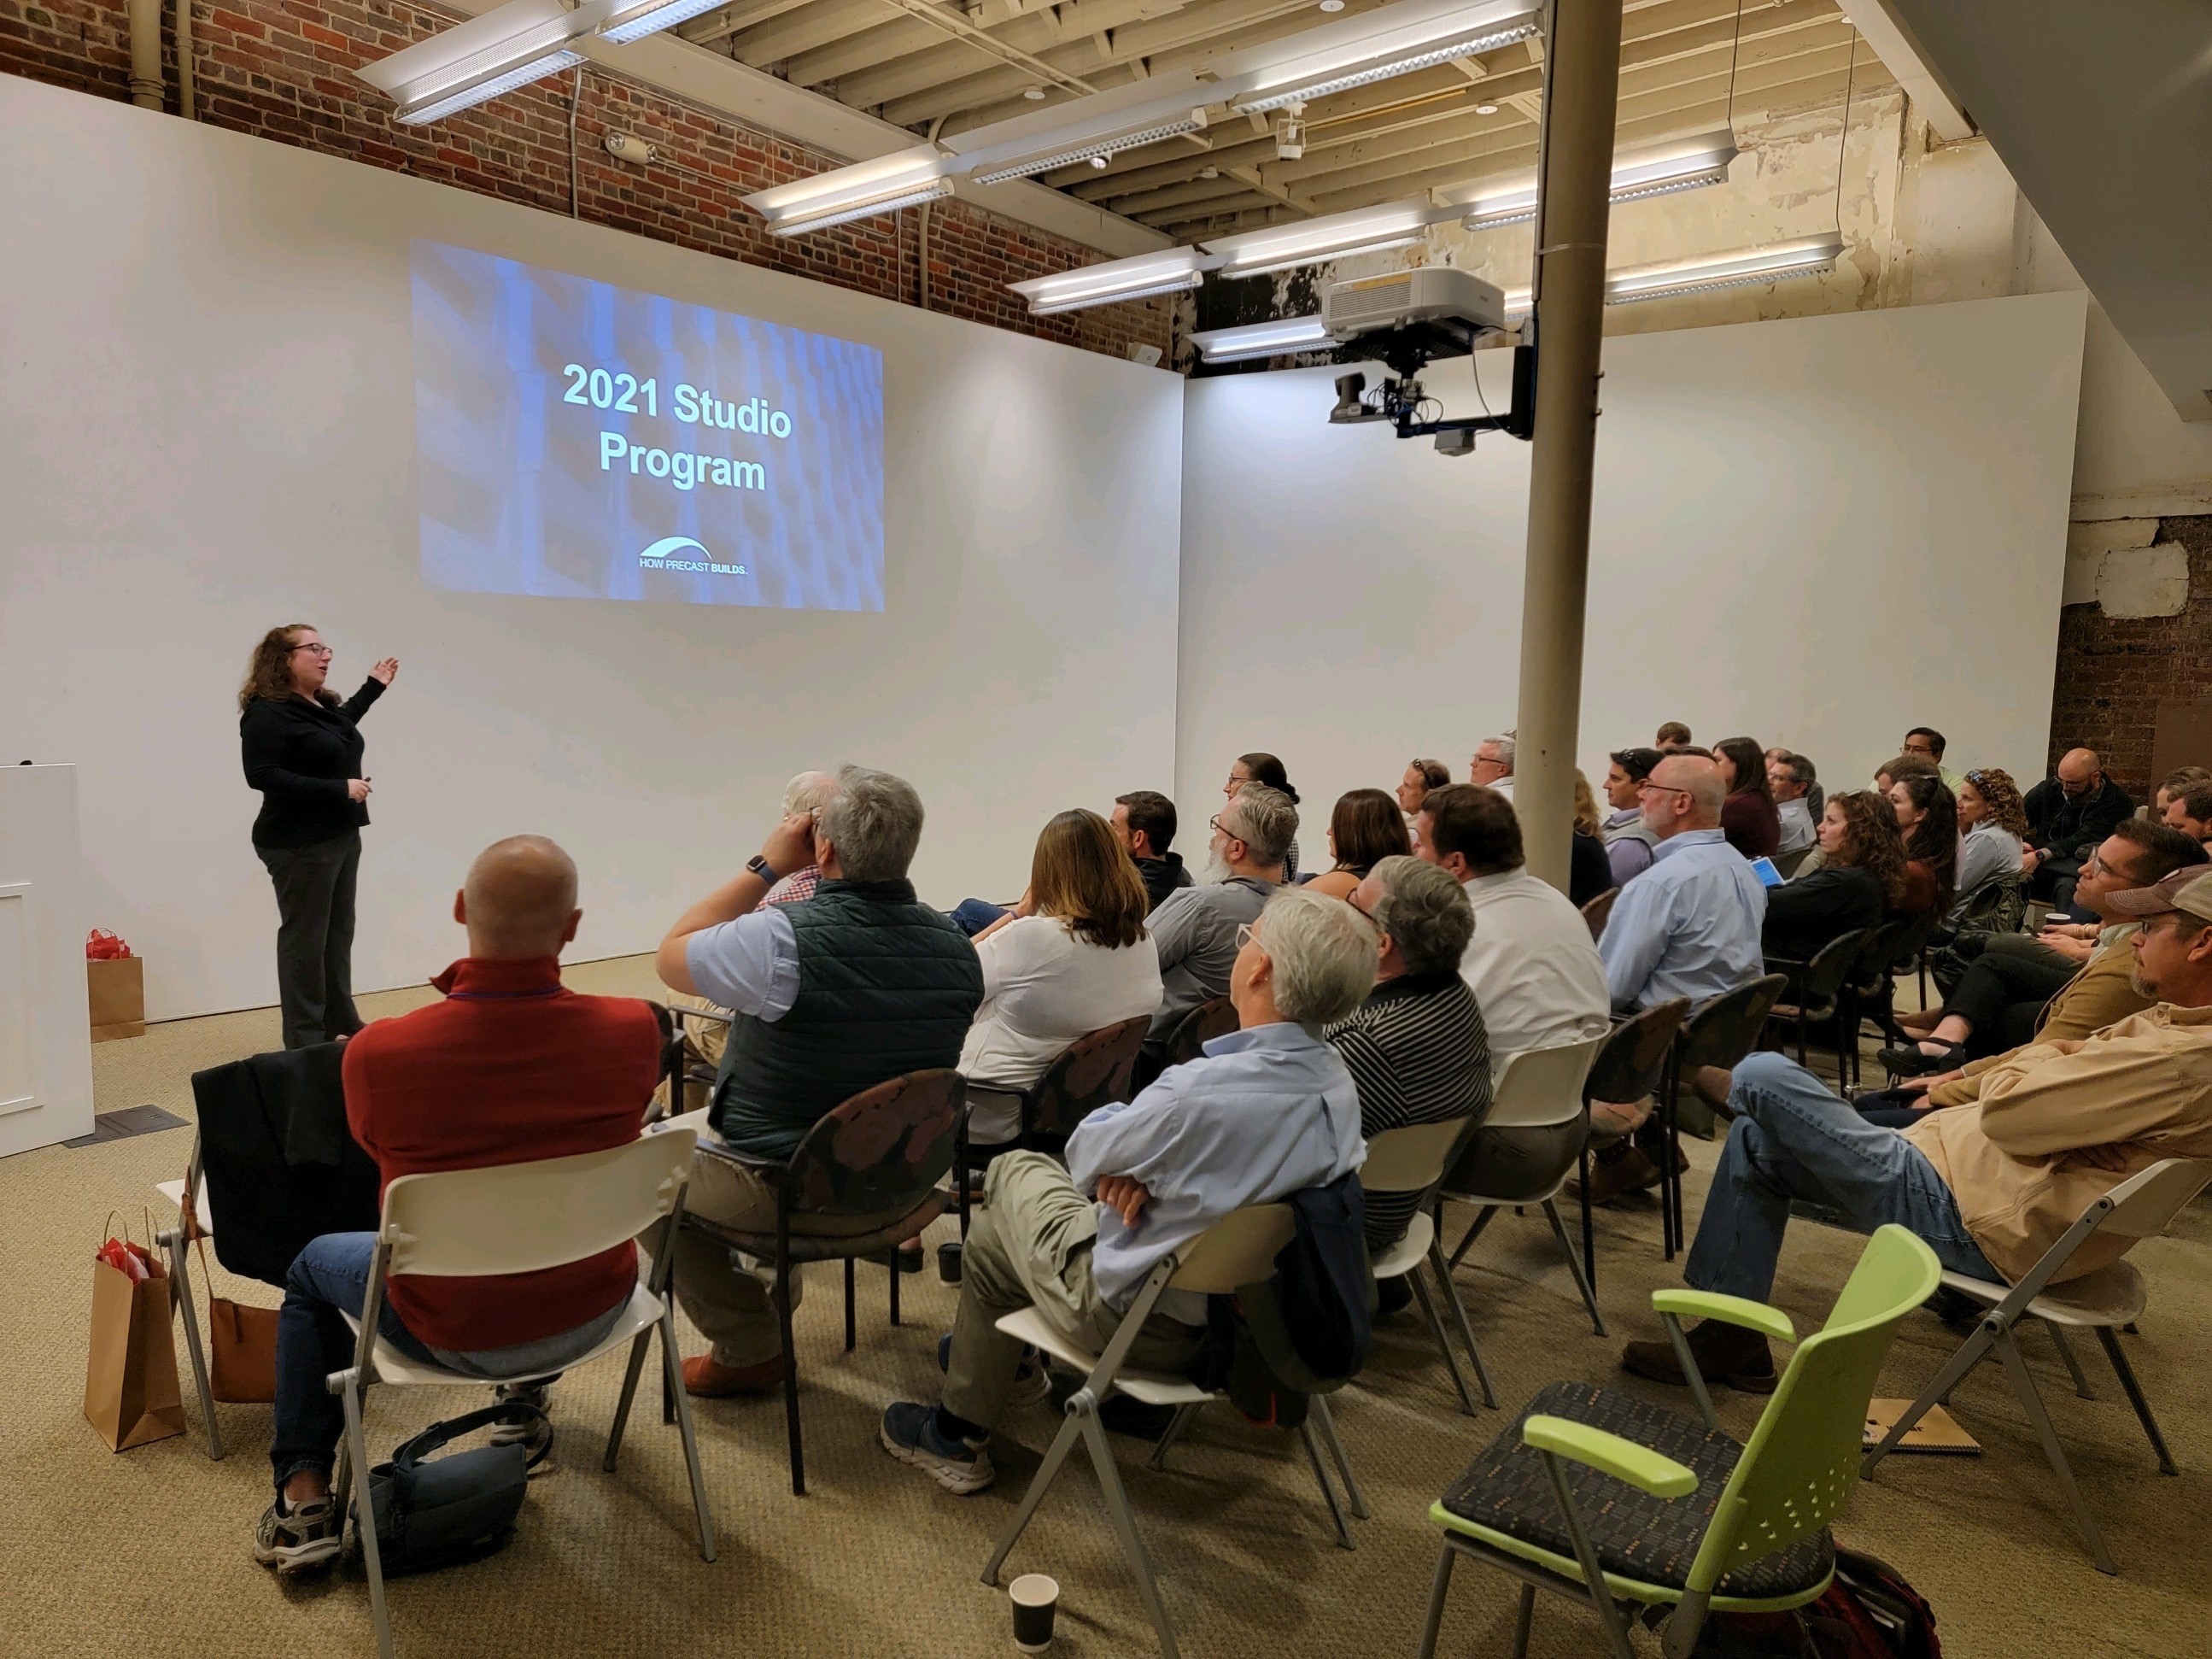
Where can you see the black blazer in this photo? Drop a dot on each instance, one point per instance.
(299, 754)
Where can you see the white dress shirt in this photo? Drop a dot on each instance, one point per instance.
(1532, 967)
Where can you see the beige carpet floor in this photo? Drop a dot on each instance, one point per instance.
(145, 1551)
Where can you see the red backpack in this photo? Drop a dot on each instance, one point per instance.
(1869, 1612)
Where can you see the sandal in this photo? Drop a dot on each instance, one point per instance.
(1911, 1059)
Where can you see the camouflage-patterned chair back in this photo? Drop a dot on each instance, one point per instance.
(1628, 1068)
(1215, 1016)
(883, 1151)
(1095, 1070)
(1722, 1032)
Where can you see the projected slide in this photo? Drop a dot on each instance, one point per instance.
(575, 439)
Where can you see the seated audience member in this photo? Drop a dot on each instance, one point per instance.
(807, 793)
(1415, 1047)
(2057, 1125)
(859, 984)
(1927, 824)
(2191, 812)
(1493, 765)
(1792, 780)
(1992, 827)
(1269, 1111)
(2068, 814)
(1533, 971)
(1928, 741)
(1628, 840)
(1689, 927)
(1072, 957)
(1145, 823)
(1590, 872)
(1195, 929)
(1862, 875)
(1265, 769)
(1903, 766)
(1995, 1005)
(1672, 736)
(509, 1068)
(2177, 783)
(1421, 776)
(1365, 828)
(1749, 818)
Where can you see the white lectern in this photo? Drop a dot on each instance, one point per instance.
(45, 1029)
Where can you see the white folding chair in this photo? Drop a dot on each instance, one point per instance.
(175, 1242)
(520, 1219)
(2102, 1300)
(1234, 1252)
(1414, 1160)
(1539, 1089)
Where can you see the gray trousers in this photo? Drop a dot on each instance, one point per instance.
(314, 937)
(1031, 1248)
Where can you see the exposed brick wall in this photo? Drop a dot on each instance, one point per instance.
(281, 69)
(2114, 671)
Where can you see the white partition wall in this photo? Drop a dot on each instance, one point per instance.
(1818, 531)
(207, 428)
(46, 1035)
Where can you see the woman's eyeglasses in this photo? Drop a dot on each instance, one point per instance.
(314, 647)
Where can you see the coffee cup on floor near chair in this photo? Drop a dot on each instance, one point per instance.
(1036, 1599)
(948, 1261)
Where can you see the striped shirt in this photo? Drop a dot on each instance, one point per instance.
(1418, 1054)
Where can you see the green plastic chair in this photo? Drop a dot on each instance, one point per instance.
(1594, 1487)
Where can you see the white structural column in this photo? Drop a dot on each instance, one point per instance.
(1575, 181)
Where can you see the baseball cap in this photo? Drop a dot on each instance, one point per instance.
(2188, 889)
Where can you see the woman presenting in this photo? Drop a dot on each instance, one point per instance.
(303, 751)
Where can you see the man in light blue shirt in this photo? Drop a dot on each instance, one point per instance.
(1689, 926)
(1266, 1111)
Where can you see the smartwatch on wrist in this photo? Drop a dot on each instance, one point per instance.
(759, 866)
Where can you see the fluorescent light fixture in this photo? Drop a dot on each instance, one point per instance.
(1391, 41)
(1275, 339)
(1335, 236)
(636, 21)
(475, 61)
(1079, 146)
(1663, 170)
(859, 191)
(1765, 264)
(1172, 270)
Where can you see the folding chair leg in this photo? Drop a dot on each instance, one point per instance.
(1524, 1622)
(1311, 1442)
(180, 1294)
(365, 1523)
(1970, 1353)
(1327, 1418)
(790, 1381)
(1601, 1597)
(1439, 1588)
(850, 1267)
(895, 1285)
(1125, 1528)
(672, 1370)
(1466, 1330)
(2066, 1353)
(1062, 1443)
(1474, 1231)
(630, 1375)
(1559, 1231)
(1589, 1225)
(2023, 1387)
(1172, 1433)
(2127, 1375)
(1444, 1342)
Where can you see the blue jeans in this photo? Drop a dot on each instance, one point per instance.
(1792, 1140)
(973, 915)
(312, 1340)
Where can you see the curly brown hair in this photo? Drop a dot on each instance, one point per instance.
(1871, 841)
(268, 671)
(2007, 810)
(1587, 821)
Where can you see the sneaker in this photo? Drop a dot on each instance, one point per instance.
(1032, 1376)
(909, 1433)
(301, 1539)
(534, 1436)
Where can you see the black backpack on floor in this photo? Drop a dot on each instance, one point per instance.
(434, 1512)
(1869, 1612)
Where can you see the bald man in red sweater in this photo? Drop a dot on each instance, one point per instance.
(510, 1068)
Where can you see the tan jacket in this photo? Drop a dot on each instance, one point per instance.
(2102, 991)
(2143, 1083)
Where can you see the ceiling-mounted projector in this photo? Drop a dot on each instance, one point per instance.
(1437, 311)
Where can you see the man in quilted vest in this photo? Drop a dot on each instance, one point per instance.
(853, 987)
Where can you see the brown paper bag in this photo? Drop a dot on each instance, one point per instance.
(116, 989)
(131, 1374)
(242, 1343)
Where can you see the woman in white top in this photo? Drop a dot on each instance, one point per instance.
(1992, 822)
(1072, 957)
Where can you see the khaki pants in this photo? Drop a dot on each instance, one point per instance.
(1031, 1248)
(730, 1301)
